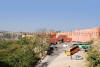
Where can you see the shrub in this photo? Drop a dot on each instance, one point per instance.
(94, 55)
(22, 53)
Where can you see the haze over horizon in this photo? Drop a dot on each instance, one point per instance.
(64, 15)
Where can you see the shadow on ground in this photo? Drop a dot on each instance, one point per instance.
(45, 64)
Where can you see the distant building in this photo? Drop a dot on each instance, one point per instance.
(82, 35)
(78, 35)
(86, 34)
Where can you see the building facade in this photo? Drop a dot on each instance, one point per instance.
(83, 35)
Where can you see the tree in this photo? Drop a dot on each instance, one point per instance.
(22, 53)
(94, 54)
(58, 31)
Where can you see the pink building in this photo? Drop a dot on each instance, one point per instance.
(82, 35)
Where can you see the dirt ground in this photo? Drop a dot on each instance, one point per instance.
(65, 61)
(60, 59)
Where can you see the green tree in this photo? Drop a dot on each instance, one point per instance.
(22, 53)
(94, 54)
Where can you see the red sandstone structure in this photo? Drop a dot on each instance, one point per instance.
(82, 35)
(78, 35)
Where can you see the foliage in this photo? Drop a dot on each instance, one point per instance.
(90, 42)
(94, 55)
(22, 53)
(93, 58)
(4, 43)
(58, 31)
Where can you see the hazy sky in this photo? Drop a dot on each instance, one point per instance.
(65, 15)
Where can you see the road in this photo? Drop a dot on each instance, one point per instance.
(49, 58)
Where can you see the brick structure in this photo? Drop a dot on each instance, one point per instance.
(82, 35)
(78, 35)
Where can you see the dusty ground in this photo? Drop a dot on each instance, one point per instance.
(65, 61)
(59, 59)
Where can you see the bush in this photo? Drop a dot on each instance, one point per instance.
(93, 58)
(21, 53)
(94, 55)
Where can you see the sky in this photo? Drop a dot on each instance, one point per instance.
(63, 15)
